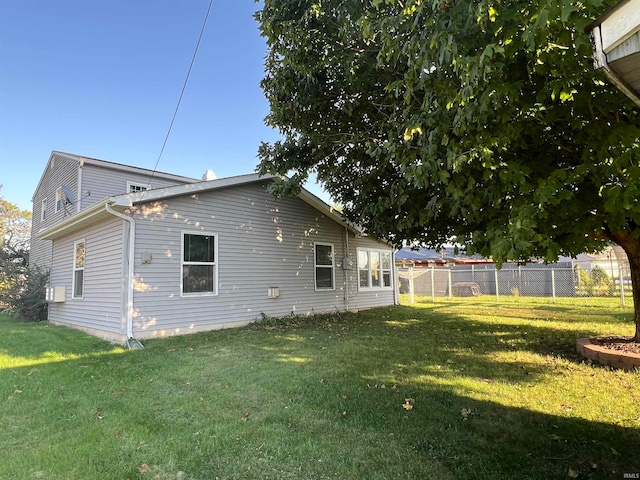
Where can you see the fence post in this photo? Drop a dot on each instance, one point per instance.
(622, 301)
(553, 284)
(450, 285)
(433, 283)
(411, 285)
(496, 278)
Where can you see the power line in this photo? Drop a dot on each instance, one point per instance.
(186, 80)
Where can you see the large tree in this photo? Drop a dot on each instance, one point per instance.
(15, 232)
(478, 122)
(22, 288)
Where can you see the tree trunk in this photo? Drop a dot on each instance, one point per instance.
(631, 247)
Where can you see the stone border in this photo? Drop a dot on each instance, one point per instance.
(606, 356)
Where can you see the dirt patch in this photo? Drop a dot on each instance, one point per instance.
(621, 344)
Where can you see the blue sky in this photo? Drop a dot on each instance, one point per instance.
(102, 79)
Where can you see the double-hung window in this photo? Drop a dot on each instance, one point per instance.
(199, 263)
(43, 210)
(324, 266)
(374, 268)
(77, 288)
(60, 199)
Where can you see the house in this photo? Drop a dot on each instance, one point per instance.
(424, 257)
(616, 43)
(189, 256)
(89, 180)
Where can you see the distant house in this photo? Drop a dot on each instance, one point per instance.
(130, 263)
(424, 257)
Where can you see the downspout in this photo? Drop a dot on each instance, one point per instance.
(346, 269)
(131, 342)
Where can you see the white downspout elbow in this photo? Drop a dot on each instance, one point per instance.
(131, 342)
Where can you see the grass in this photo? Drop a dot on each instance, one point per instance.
(496, 389)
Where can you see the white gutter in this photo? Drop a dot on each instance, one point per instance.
(132, 238)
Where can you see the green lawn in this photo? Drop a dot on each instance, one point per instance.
(496, 389)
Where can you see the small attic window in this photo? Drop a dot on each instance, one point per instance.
(136, 187)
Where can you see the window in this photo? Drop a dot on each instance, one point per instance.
(374, 268)
(43, 210)
(199, 263)
(77, 288)
(136, 187)
(60, 198)
(323, 262)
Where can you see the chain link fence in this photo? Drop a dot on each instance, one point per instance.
(534, 280)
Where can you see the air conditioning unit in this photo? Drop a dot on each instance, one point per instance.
(56, 294)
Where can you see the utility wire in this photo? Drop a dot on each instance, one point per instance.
(186, 80)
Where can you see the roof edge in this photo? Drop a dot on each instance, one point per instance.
(128, 200)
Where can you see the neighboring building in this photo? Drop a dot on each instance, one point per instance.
(424, 257)
(200, 255)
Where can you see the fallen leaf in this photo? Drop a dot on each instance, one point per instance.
(572, 473)
(245, 416)
(553, 436)
(344, 397)
(613, 450)
(407, 406)
(144, 468)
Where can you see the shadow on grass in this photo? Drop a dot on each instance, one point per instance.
(37, 343)
(378, 365)
(305, 399)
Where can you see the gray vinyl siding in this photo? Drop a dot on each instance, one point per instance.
(59, 171)
(261, 243)
(102, 306)
(106, 182)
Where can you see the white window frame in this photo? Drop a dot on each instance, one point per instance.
(332, 266)
(60, 198)
(381, 270)
(75, 269)
(43, 209)
(137, 186)
(214, 264)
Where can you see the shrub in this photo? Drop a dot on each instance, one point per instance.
(23, 291)
(601, 281)
(584, 285)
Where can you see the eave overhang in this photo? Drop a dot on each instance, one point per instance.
(616, 46)
(97, 212)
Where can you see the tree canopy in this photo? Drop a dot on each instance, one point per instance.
(15, 232)
(476, 122)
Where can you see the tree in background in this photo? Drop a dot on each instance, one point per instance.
(476, 122)
(22, 288)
